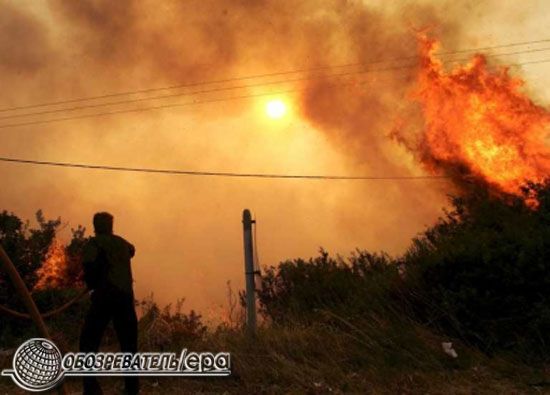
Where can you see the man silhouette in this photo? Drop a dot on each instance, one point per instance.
(107, 273)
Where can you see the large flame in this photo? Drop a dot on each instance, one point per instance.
(52, 273)
(479, 122)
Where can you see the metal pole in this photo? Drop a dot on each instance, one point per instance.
(249, 273)
(25, 295)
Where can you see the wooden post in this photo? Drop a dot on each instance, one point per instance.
(24, 293)
(26, 297)
(249, 273)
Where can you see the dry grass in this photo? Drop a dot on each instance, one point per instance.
(373, 357)
(336, 354)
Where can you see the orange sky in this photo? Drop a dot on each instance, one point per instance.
(187, 230)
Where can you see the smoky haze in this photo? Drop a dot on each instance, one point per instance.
(187, 230)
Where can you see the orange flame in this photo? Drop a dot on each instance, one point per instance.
(52, 273)
(479, 122)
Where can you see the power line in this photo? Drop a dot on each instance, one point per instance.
(159, 107)
(172, 95)
(230, 88)
(213, 173)
(217, 100)
(517, 44)
(233, 79)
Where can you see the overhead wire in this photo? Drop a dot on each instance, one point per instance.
(234, 174)
(141, 109)
(214, 173)
(264, 75)
(214, 100)
(230, 88)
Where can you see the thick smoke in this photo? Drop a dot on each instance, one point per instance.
(188, 230)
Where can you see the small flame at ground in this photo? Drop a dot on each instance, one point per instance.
(53, 270)
(478, 121)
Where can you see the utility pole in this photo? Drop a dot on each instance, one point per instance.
(249, 272)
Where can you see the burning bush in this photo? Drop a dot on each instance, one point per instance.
(49, 268)
(478, 125)
(62, 265)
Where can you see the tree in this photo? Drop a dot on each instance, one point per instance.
(29, 248)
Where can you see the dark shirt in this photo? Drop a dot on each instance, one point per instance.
(106, 259)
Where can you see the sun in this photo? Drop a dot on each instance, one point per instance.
(275, 109)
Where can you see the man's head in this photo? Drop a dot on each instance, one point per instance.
(103, 223)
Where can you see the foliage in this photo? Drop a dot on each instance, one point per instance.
(73, 253)
(162, 329)
(300, 288)
(483, 272)
(28, 249)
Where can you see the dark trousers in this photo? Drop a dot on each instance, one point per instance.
(110, 305)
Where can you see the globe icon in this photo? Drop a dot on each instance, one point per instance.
(37, 363)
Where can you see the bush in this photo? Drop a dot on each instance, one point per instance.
(298, 289)
(483, 272)
(162, 329)
(28, 247)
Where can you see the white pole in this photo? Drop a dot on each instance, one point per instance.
(249, 273)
